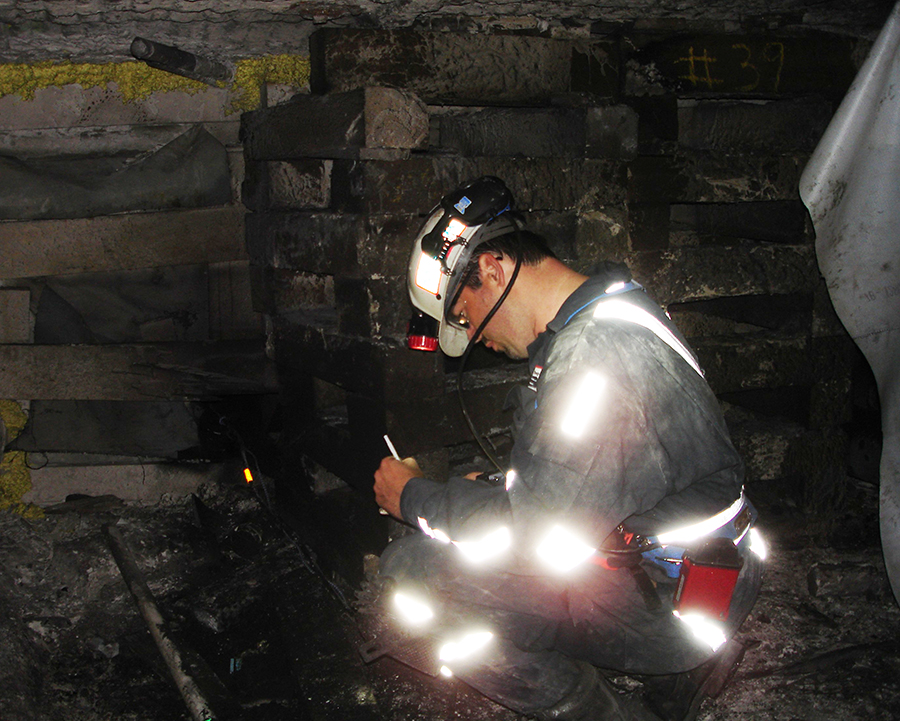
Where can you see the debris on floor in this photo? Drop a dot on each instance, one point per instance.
(267, 632)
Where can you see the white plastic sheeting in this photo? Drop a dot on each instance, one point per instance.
(851, 187)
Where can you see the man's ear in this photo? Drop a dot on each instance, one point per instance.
(491, 270)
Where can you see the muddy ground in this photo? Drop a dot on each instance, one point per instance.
(275, 640)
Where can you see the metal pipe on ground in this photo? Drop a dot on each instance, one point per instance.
(198, 706)
(180, 62)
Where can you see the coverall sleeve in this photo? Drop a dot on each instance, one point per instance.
(462, 508)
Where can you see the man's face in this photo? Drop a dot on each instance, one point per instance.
(505, 333)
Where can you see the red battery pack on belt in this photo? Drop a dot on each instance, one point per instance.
(708, 576)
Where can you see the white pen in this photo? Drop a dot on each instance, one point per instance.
(391, 447)
(395, 455)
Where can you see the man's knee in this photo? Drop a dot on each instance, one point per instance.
(410, 558)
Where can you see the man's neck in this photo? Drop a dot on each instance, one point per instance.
(549, 284)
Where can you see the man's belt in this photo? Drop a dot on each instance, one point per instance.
(666, 550)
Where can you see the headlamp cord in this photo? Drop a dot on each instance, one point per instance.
(465, 356)
(462, 405)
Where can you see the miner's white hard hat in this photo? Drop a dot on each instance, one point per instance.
(463, 220)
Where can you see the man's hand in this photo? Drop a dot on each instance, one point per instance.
(390, 480)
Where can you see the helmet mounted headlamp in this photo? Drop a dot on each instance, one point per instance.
(463, 220)
(471, 206)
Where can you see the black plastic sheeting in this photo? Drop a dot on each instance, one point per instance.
(168, 304)
(156, 429)
(189, 172)
(152, 305)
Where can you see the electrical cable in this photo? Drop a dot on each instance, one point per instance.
(471, 424)
(306, 554)
(465, 356)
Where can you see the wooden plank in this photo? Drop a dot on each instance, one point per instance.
(191, 171)
(231, 314)
(15, 317)
(72, 106)
(764, 442)
(344, 244)
(336, 126)
(528, 132)
(52, 142)
(287, 184)
(779, 221)
(763, 65)
(161, 371)
(743, 363)
(733, 315)
(460, 68)
(687, 274)
(414, 185)
(88, 433)
(784, 126)
(278, 291)
(595, 132)
(715, 177)
(310, 241)
(121, 242)
(846, 578)
(381, 369)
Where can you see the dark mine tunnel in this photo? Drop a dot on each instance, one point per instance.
(207, 214)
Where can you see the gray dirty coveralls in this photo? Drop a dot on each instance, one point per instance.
(657, 455)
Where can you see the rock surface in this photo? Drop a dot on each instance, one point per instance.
(97, 32)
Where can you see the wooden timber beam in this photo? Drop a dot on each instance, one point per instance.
(121, 242)
(134, 372)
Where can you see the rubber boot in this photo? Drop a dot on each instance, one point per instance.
(678, 697)
(593, 699)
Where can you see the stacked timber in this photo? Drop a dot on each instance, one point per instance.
(678, 154)
(124, 281)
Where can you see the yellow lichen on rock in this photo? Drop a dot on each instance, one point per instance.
(138, 81)
(135, 80)
(15, 480)
(14, 418)
(252, 73)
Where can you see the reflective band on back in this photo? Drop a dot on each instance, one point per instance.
(696, 530)
(435, 533)
(758, 545)
(623, 310)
